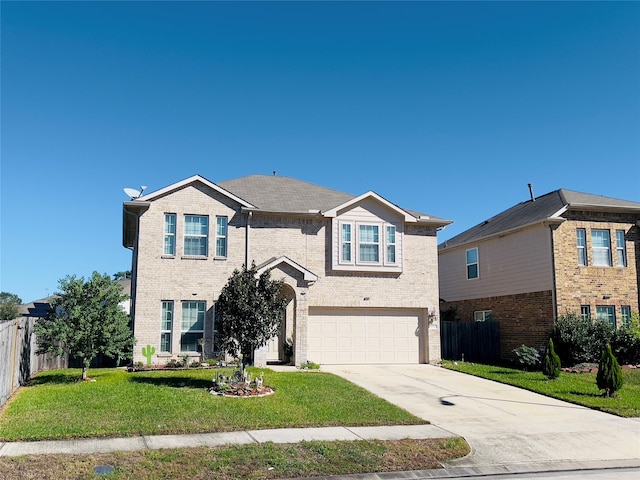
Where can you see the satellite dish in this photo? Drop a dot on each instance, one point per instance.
(132, 193)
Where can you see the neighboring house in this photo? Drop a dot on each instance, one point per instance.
(360, 273)
(562, 252)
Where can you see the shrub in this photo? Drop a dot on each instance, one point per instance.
(609, 377)
(579, 340)
(527, 357)
(551, 362)
(625, 345)
(309, 365)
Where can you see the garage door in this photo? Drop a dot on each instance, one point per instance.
(361, 336)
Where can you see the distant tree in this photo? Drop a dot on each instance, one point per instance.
(249, 312)
(9, 304)
(609, 377)
(551, 362)
(86, 319)
(122, 275)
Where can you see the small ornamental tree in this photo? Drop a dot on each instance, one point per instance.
(609, 377)
(9, 304)
(551, 362)
(86, 319)
(249, 312)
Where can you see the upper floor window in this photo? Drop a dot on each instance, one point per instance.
(221, 236)
(369, 244)
(483, 315)
(192, 326)
(345, 242)
(581, 235)
(601, 244)
(585, 312)
(166, 326)
(169, 233)
(472, 263)
(621, 248)
(625, 315)
(606, 313)
(391, 244)
(196, 233)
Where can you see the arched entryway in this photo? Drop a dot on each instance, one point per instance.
(276, 348)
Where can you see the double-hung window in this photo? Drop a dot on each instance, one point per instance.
(346, 243)
(391, 244)
(196, 233)
(221, 237)
(601, 244)
(606, 313)
(581, 241)
(585, 312)
(621, 248)
(169, 233)
(369, 243)
(625, 315)
(192, 325)
(472, 263)
(166, 326)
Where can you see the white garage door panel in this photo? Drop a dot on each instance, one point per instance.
(363, 336)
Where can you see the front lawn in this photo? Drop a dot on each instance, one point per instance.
(578, 388)
(55, 405)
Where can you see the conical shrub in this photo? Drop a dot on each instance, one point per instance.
(551, 362)
(609, 377)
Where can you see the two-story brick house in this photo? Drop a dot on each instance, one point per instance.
(360, 273)
(562, 252)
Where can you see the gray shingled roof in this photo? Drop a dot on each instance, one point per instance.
(543, 208)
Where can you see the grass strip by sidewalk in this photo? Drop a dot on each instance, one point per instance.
(56, 406)
(255, 462)
(577, 388)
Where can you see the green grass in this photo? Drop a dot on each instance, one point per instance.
(578, 388)
(233, 462)
(55, 405)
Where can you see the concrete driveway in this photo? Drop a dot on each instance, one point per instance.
(503, 424)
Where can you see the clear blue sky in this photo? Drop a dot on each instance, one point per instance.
(446, 108)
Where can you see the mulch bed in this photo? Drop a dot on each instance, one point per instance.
(591, 368)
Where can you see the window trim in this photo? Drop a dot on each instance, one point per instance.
(600, 249)
(163, 329)
(621, 250)
(172, 235)
(360, 243)
(224, 238)
(204, 322)
(585, 312)
(476, 263)
(390, 244)
(582, 248)
(625, 315)
(190, 235)
(352, 246)
(343, 243)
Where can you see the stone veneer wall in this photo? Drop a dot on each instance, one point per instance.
(526, 318)
(588, 285)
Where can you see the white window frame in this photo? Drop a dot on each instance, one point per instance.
(169, 236)
(361, 243)
(606, 313)
(599, 252)
(625, 315)
(390, 242)
(585, 312)
(166, 325)
(187, 322)
(581, 243)
(483, 315)
(621, 248)
(348, 244)
(222, 238)
(469, 264)
(196, 235)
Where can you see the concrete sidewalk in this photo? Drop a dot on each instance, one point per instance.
(284, 435)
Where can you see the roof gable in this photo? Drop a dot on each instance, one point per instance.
(370, 195)
(549, 207)
(274, 262)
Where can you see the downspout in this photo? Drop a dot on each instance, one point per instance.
(246, 253)
(554, 298)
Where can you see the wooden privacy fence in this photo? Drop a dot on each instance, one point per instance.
(470, 341)
(18, 359)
